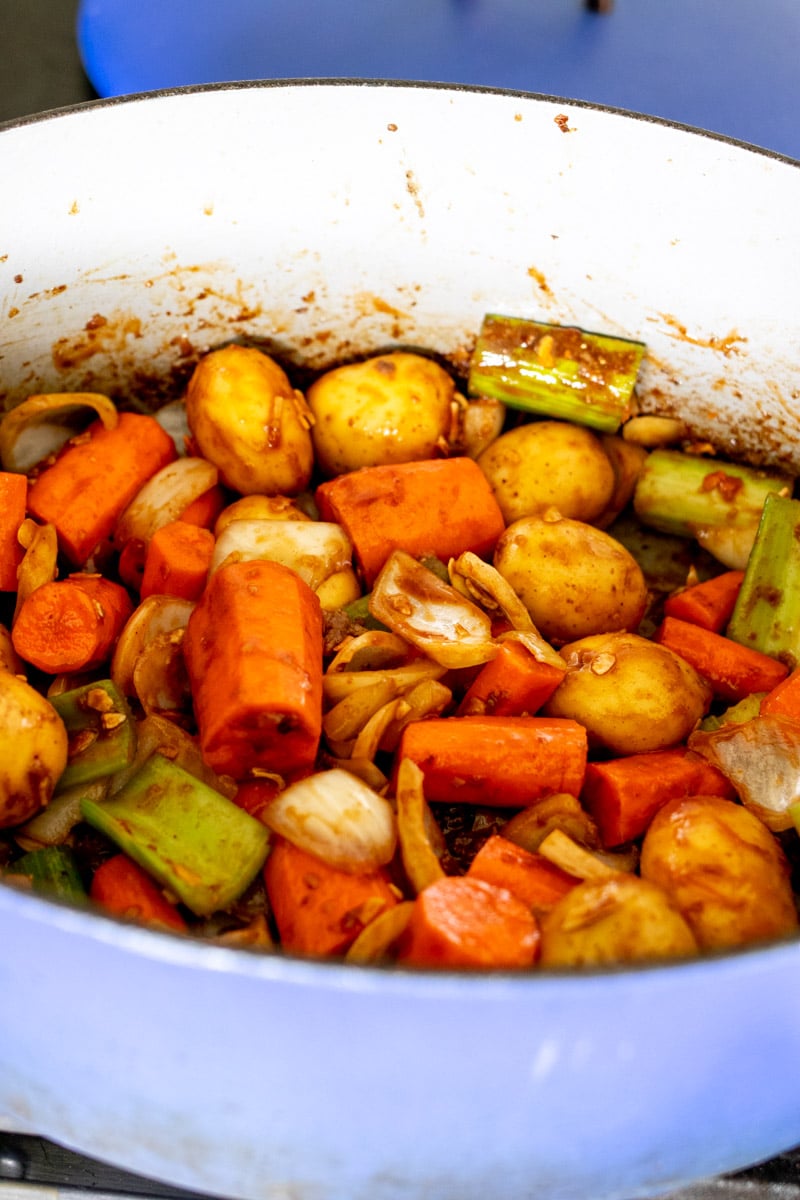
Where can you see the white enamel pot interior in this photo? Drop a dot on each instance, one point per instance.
(321, 220)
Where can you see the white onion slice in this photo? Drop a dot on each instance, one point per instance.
(315, 550)
(41, 425)
(164, 497)
(172, 419)
(154, 616)
(339, 684)
(160, 678)
(39, 562)
(417, 828)
(728, 544)
(430, 614)
(336, 817)
(761, 758)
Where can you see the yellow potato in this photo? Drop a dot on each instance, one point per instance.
(33, 750)
(549, 464)
(389, 409)
(723, 869)
(249, 421)
(339, 589)
(631, 694)
(618, 919)
(574, 580)
(259, 508)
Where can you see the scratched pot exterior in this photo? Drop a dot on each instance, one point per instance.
(323, 220)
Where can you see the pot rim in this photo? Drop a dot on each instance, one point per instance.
(356, 83)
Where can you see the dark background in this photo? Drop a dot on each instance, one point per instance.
(40, 67)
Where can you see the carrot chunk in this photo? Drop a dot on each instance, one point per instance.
(733, 670)
(206, 508)
(784, 699)
(624, 794)
(13, 499)
(94, 479)
(177, 561)
(438, 507)
(71, 624)
(460, 921)
(532, 878)
(513, 684)
(123, 888)
(318, 909)
(253, 651)
(504, 761)
(709, 604)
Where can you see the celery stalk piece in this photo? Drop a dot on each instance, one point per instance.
(101, 732)
(692, 496)
(557, 371)
(51, 870)
(736, 714)
(767, 611)
(198, 844)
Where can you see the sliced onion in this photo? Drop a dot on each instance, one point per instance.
(158, 735)
(373, 650)
(364, 769)
(164, 497)
(39, 562)
(430, 614)
(370, 737)
(53, 825)
(761, 758)
(160, 679)
(492, 591)
(172, 419)
(343, 683)
(335, 816)
(10, 661)
(729, 545)
(559, 848)
(347, 718)
(41, 425)
(315, 550)
(378, 937)
(426, 699)
(154, 616)
(416, 828)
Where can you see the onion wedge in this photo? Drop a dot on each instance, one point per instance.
(377, 938)
(761, 757)
(315, 550)
(484, 583)
(39, 562)
(154, 616)
(430, 614)
(335, 816)
(414, 824)
(42, 424)
(163, 498)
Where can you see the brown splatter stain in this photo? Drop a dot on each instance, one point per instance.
(541, 281)
(562, 121)
(413, 189)
(392, 127)
(728, 345)
(74, 208)
(100, 335)
(518, 116)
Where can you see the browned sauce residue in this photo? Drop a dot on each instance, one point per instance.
(412, 188)
(538, 275)
(562, 121)
(726, 345)
(100, 335)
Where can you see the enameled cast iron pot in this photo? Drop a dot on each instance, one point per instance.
(322, 220)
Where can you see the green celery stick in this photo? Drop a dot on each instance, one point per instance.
(198, 844)
(767, 612)
(101, 731)
(737, 714)
(682, 493)
(557, 371)
(52, 871)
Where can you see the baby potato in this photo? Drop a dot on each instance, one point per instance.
(249, 421)
(549, 464)
(393, 408)
(259, 508)
(723, 868)
(575, 580)
(33, 750)
(619, 919)
(629, 694)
